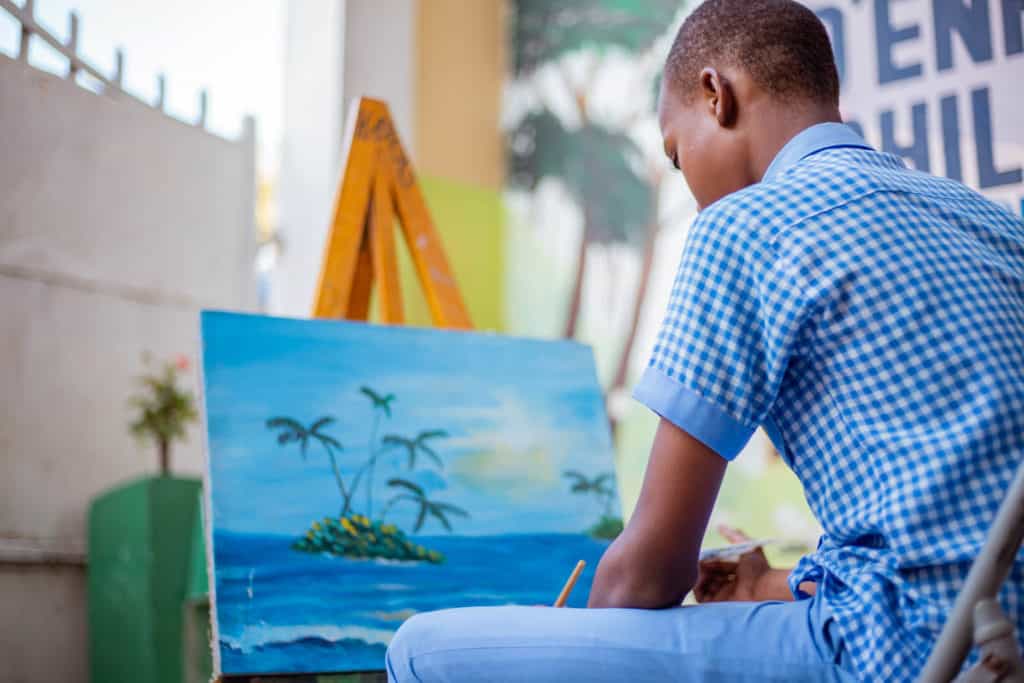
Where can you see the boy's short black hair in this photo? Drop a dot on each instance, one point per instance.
(780, 43)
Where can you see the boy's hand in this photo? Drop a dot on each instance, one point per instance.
(748, 579)
(744, 580)
(739, 581)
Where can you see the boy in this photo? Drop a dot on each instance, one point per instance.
(870, 317)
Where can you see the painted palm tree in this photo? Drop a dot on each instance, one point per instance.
(291, 430)
(415, 494)
(416, 446)
(600, 487)
(379, 402)
(381, 407)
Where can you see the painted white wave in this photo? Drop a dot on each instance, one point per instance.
(480, 595)
(392, 587)
(254, 637)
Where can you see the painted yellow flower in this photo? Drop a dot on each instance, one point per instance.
(348, 527)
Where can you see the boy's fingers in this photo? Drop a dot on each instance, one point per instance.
(731, 534)
(713, 588)
(718, 566)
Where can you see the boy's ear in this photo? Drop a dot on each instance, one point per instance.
(718, 96)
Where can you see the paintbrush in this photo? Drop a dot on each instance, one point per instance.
(567, 588)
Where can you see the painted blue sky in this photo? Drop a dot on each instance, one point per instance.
(518, 413)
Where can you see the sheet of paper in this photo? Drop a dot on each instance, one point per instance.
(733, 552)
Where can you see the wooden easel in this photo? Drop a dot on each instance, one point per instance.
(378, 182)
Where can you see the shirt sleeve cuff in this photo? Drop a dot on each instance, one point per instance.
(691, 412)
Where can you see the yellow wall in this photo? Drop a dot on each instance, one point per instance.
(470, 222)
(460, 67)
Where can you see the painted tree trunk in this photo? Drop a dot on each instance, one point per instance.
(646, 266)
(576, 300)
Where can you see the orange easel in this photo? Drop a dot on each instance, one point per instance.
(377, 182)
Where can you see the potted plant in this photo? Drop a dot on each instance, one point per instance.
(145, 543)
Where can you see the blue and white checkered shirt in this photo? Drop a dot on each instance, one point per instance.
(871, 318)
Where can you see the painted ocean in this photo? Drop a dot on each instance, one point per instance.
(277, 606)
(359, 474)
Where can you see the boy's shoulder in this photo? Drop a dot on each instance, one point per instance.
(827, 181)
(810, 187)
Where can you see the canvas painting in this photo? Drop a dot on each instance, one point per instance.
(359, 474)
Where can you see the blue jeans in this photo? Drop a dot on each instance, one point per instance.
(737, 641)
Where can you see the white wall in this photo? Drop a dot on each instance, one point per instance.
(336, 51)
(117, 223)
(309, 149)
(43, 622)
(380, 45)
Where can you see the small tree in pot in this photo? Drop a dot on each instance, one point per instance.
(163, 410)
(146, 544)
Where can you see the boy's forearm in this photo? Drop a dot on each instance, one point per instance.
(653, 563)
(622, 582)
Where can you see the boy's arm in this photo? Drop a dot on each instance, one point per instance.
(653, 563)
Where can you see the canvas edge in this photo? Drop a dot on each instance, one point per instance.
(218, 675)
(211, 577)
(410, 329)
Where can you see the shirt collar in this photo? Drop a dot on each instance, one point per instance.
(810, 141)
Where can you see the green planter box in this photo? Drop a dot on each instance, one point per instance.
(142, 559)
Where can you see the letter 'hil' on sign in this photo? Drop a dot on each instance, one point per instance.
(917, 149)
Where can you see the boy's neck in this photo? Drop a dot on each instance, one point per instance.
(778, 125)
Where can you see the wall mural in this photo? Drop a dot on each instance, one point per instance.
(598, 217)
(582, 130)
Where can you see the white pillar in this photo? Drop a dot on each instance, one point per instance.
(336, 50)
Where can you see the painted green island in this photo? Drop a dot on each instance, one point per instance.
(355, 536)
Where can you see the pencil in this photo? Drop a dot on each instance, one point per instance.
(567, 588)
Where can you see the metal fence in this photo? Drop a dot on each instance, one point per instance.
(113, 84)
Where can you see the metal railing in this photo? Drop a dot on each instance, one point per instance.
(113, 84)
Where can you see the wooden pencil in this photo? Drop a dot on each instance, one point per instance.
(567, 588)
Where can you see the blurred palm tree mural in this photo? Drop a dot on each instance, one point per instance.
(598, 218)
(584, 154)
